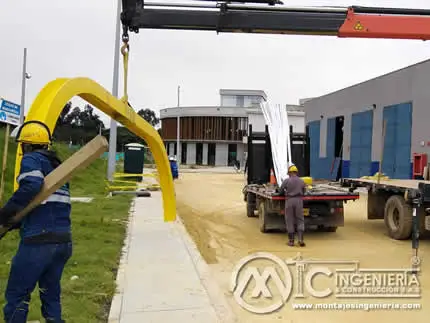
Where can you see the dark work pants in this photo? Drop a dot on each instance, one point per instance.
(32, 264)
(294, 215)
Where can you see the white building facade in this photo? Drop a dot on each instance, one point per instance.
(216, 136)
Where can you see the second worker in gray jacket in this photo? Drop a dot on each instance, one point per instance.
(294, 188)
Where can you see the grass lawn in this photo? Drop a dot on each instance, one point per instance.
(98, 234)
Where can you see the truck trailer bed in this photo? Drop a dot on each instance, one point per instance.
(397, 183)
(394, 200)
(322, 206)
(320, 192)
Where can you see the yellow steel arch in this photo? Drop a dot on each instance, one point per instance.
(51, 100)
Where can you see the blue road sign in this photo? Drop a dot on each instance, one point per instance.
(9, 112)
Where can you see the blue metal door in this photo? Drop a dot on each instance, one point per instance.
(314, 150)
(389, 159)
(361, 144)
(366, 143)
(354, 155)
(397, 144)
(403, 141)
(330, 146)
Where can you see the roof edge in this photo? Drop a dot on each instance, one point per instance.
(369, 80)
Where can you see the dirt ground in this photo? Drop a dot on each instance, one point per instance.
(213, 211)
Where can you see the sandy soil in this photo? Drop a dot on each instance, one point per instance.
(213, 211)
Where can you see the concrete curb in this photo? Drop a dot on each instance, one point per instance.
(217, 298)
(116, 305)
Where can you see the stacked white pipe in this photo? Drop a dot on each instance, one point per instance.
(279, 130)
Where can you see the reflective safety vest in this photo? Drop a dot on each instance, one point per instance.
(53, 214)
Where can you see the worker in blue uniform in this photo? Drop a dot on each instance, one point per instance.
(46, 244)
(174, 167)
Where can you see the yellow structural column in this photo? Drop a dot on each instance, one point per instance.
(51, 100)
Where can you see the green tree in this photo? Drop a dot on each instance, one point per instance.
(149, 116)
(62, 119)
(81, 125)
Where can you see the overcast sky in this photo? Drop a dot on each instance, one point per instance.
(76, 38)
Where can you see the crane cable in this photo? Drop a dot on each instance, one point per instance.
(125, 49)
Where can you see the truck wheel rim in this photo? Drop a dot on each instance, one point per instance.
(394, 219)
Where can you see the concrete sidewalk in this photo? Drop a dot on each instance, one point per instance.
(162, 277)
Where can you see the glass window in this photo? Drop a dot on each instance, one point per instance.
(255, 99)
(240, 101)
(228, 100)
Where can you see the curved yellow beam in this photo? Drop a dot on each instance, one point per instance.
(51, 100)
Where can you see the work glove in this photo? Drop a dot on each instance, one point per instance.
(5, 217)
(6, 223)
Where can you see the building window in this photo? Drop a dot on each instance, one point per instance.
(242, 123)
(184, 153)
(255, 99)
(228, 100)
(240, 101)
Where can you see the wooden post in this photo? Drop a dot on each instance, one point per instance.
(63, 173)
(384, 128)
(3, 170)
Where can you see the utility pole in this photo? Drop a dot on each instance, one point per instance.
(178, 133)
(25, 77)
(179, 95)
(113, 123)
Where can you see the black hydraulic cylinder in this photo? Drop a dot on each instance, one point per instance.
(415, 221)
(233, 20)
(415, 235)
(416, 197)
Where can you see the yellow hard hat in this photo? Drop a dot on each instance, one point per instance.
(292, 169)
(34, 132)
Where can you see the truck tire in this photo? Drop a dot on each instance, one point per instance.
(398, 218)
(250, 205)
(262, 215)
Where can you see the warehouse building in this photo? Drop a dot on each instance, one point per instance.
(216, 135)
(346, 126)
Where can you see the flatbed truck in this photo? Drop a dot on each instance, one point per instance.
(323, 204)
(403, 204)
